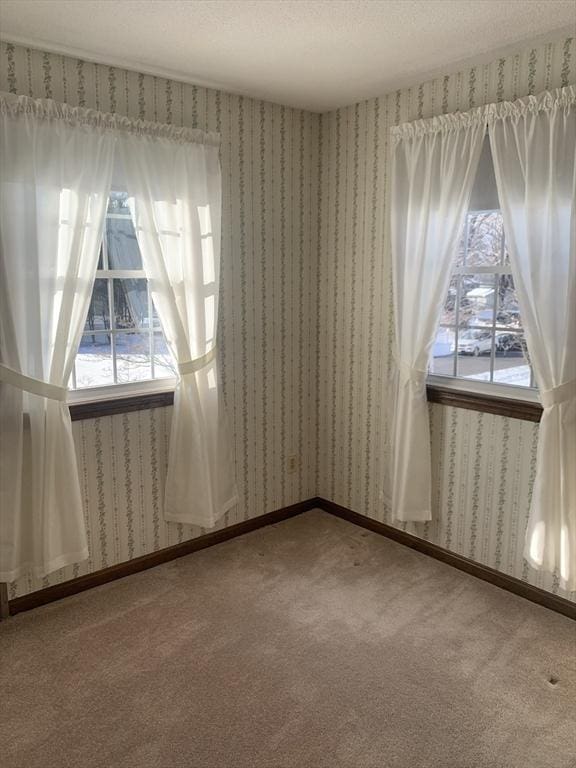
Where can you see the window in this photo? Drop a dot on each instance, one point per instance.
(480, 344)
(480, 336)
(123, 342)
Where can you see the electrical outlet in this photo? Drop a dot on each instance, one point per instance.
(292, 463)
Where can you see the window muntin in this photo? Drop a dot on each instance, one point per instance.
(122, 342)
(480, 337)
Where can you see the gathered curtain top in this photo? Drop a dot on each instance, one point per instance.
(14, 105)
(560, 98)
(455, 121)
(547, 101)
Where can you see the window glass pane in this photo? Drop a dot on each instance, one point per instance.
(118, 203)
(98, 317)
(133, 357)
(508, 312)
(480, 334)
(155, 318)
(506, 253)
(123, 250)
(511, 362)
(461, 252)
(163, 364)
(94, 361)
(484, 239)
(121, 342)
(443, 352)
(131, 304)
(474, 351)
(477, 299)
(448, 316)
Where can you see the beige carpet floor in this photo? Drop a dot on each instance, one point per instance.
(308, 644)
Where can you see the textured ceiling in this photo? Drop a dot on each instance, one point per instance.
(316, 54)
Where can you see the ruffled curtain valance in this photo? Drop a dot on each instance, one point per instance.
(46, 109)
(559, 98)
(456, 121)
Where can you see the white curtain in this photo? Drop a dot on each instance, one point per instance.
(55, 177)
(433, 167)
(176, 189)
(534, 148)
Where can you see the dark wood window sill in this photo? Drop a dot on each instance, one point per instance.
(526, 410)
(97, 408)
(514, 409)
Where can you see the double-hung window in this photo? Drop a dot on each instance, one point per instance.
(480, 343)
(123, 349)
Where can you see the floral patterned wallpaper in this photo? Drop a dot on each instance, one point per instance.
(306, 318)
(483, 465)
(267, 308)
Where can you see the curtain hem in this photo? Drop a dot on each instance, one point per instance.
(185, 519)
(415, 517)
(39, 573)
(567, 585)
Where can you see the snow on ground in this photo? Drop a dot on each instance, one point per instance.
(518, 376)
(96, 370)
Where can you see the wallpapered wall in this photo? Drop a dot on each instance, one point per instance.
(483, 465)
(266, 344)
(306, 318)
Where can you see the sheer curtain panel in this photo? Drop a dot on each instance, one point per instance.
(176, 188)
(55, 176)
(534, 148)
(433, 167)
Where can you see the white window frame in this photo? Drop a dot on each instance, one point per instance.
(128, 389)
(477, 386)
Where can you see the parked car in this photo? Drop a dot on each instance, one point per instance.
(509, 318)
(509, 342)
(474, 343)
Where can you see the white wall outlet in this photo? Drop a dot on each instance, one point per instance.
(292, 463)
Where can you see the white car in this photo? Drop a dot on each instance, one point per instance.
(474, 343)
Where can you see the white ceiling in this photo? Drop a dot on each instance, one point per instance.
(315, 54)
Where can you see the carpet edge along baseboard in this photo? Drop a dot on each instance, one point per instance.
(485, 573)
(150, 560)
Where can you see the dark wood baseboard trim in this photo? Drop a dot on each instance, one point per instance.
(72, 587)
(499, 579)
(526, 410)
(4, 608)
(509, 583)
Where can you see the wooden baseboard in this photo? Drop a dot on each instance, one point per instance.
(502, 580)
(72, 587)
(499, 579)
(4, 608)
